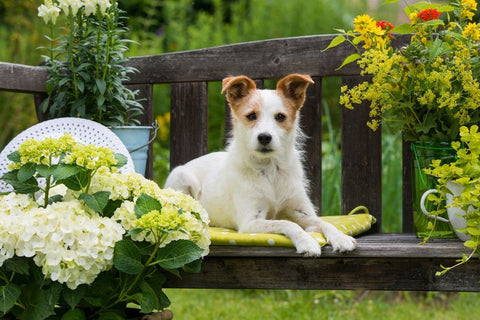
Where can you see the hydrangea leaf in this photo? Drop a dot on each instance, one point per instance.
(8, 296)
(74, 314)
(65, 171)
(145, 204)
(178, 253)
(26, 187)
(97, 201)
(73, 297)
(127, 257)
(14, 156)
(121, 160)
(149, 301)
(26, 171)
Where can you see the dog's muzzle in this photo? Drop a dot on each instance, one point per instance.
(264, 138)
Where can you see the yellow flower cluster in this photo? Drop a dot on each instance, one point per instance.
(469, 7)
(43, 151)
(372, 35)
(90, 156)
(472, 31)
(162, 223)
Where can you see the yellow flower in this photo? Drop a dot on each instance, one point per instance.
(471, 31)
(469, 7)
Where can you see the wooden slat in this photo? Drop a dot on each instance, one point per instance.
(188, 128)
(259, 59)
(407, 205)
(361, 160)
(312, 126)
(22, 78)
(381, 262)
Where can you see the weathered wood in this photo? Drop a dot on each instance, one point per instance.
(361, 160)
(381, 262)
(22, 78)
(407, 210)
(188, 128)
(311, 122)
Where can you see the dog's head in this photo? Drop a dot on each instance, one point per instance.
(265, 121)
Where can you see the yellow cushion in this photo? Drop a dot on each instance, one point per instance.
(350, 224)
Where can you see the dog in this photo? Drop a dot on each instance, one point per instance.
(258, 183)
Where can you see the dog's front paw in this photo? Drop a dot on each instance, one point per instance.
(342, 243)
(308, 247)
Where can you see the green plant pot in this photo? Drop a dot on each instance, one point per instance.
(423, 154)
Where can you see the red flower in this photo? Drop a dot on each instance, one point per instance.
(385, 25)
(429, 14)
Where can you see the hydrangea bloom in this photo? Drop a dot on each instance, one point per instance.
(70, 243)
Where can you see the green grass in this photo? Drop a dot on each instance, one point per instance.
(198, 304)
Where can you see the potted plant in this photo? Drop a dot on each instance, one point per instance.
(458, 185)
(80, 240)
(427, 88)
(87, 71)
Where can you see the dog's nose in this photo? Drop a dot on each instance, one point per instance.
(264, 138)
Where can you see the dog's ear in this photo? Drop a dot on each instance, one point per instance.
(237, 88)
(294, 87)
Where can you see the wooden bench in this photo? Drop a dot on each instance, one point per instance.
(381, 261)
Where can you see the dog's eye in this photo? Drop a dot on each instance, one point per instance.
(252, 116)
(280, 117)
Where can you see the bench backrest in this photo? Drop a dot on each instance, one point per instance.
(189, 73)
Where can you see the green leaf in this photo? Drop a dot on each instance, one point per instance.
(55, 198)
(45, 171)
(389, 1)
(14, 156)
(101, 85)
(26, 171)
(145, 204)
(127, 257)
(150, 300)
(18, 265)
(471, 244)
(75, 314)
(351, 58)
(474, 231)
(193, 267)
(111, 207)
(41, 303)
(8, 296)
(77, 182)
(65, 171)
(26, 187)
(403, 28)
(97, 201)
(121, 160)
(178, 253)
(73, 297)
(335, 42)
(110, 315)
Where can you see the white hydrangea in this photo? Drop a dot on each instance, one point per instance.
(67, 240)
(12, 208)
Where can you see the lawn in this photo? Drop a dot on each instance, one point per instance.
(198, 304)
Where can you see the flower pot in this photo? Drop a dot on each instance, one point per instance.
(137, 140)
(455, 214)
(423, 154)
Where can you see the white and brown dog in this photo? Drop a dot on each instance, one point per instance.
(258, 183)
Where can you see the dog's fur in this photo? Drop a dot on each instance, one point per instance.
(258, 182)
